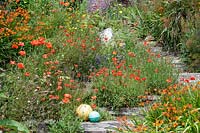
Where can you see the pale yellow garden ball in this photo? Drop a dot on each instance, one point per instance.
(83, 111)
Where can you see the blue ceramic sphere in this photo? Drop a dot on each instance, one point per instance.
(94, 116)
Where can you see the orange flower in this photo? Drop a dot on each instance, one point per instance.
(21, 44)
(49, 45)
(131, 54)
(103, 87)
(22, 53)
(145, 43)
(12, 62)
(20, 65)
(66, 4)
(78, 99)
(54, 97)
(27, 74)
(94, 97)
(158, 123)
(114, 52)
(93, 106)
(169, 80)
(44, 56)
(175, 124)
(65, 100)
(59, 87)
(14, 46)
(96, 90)
(68, 96)
(149, 60)
(78, 75)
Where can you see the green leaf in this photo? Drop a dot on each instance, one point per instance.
(12, 124)
(2, 95)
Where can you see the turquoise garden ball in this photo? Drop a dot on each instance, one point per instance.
(94, 116)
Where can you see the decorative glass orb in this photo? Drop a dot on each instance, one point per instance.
(83, 111)
(94, 116)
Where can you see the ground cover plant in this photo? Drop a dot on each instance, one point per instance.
(53, 59)
(178, 111)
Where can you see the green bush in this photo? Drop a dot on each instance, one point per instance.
(191, 53)
(68, 122)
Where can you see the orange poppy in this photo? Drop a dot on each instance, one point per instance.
(20, 65)
(22, 53)
(94, 106)
(21, 44)
(27, 74)
(49, 45)
(68, 96)
(94, 97)
(65, 100)
(12, 62)
(14, 46)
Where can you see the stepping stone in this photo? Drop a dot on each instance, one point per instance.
(100, 127)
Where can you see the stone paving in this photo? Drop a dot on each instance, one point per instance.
(100, 127)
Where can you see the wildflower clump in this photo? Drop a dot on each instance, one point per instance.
(177, 111)
(14, 31)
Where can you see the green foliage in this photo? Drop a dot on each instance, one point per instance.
(2, 95)
(132, 70)
(192, 51)
(163, 19)
(14, 125)
(178, 112)
(68, 123)
(11, 124)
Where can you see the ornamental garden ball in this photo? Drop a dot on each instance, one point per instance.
(83, 111)
(94, 116)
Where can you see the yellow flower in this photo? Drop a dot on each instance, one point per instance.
(120, 12)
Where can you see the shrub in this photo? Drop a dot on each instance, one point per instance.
(191, 53)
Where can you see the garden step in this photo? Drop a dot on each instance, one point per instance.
(100, 127)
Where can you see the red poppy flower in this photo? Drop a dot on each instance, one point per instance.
(94, 97)
(12, 62)
(192, 78)
(20, 65)
(68, 96)
(27, 74)
(14, 46)
(49, 45)
(21, 44)
(44, 56)
(65, 100)
(22, 53)
(169, 80)
(94, 106)
(131, 54)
